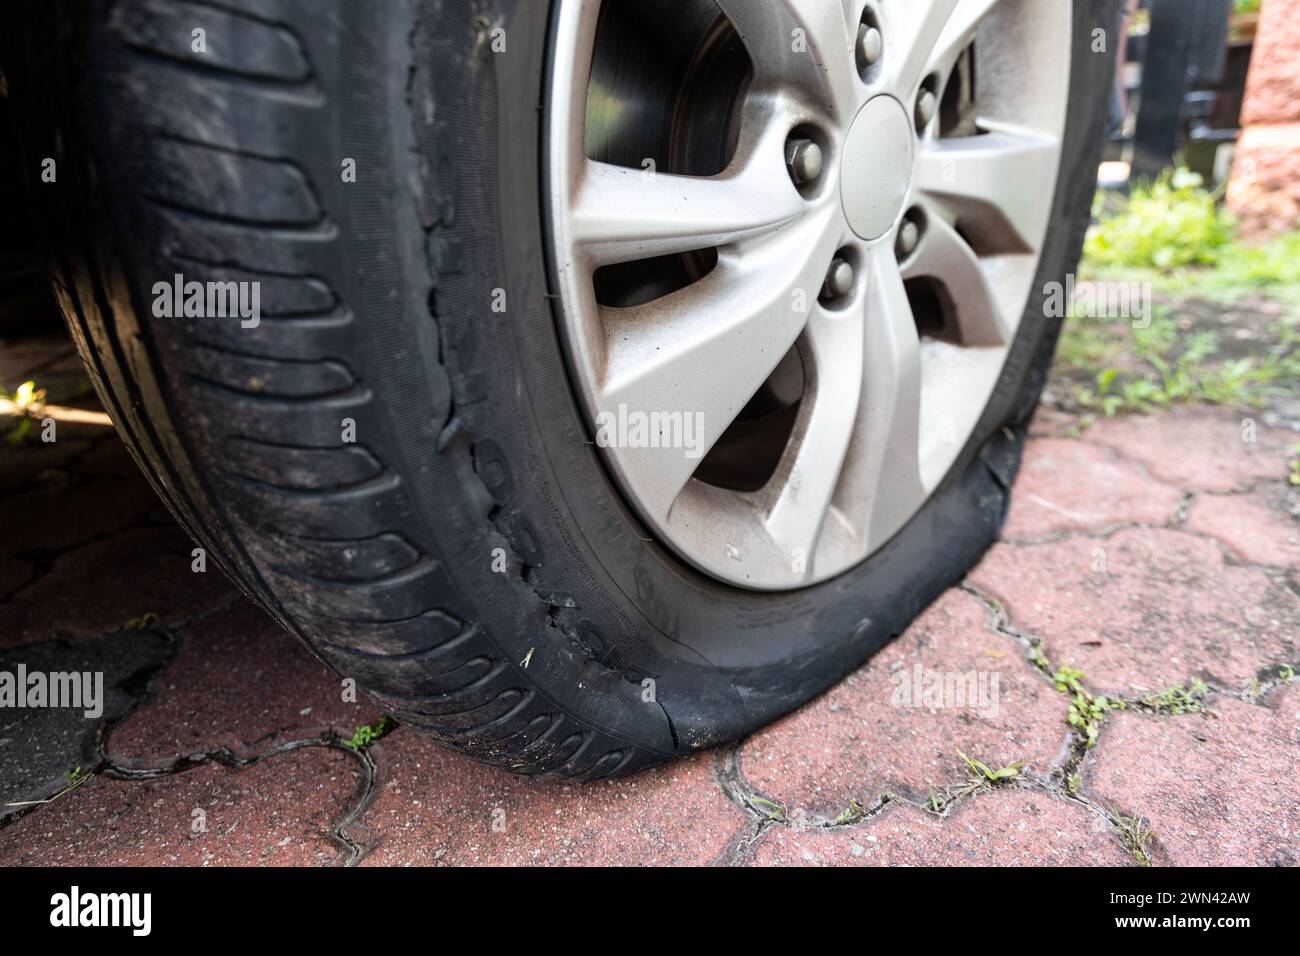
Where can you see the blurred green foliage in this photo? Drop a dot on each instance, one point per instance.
(1174, 234)
(1167, 224)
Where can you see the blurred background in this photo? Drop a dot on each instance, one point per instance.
(1199, 205)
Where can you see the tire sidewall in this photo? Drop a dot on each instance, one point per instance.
(597, 602)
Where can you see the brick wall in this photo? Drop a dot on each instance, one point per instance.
(1265, 187)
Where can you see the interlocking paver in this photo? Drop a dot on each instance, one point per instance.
(279, 812)
(1105, 557)
(1070, 485)
(874, 733)
(1004, 827)
(1214, 790)
(1166, 607)
(1200, 448)
(109, 583)
(240, 683)
(439, 807)
(1260, 527)
(62, 518)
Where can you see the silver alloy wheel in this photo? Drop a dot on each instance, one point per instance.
(886, 405)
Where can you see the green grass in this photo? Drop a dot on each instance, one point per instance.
(1160, 367)
(1174, 235)
(1087, 710)
(1270, 269)
(850, 814)
(981, 776)
(1168, 224)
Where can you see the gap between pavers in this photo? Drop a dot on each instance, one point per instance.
(1072, 485)
(281, 811)
(1199, 448)
(438, 807)
(142, 573)
(1164, 607)
(1007, 826)
(239, 683)
(874, 734)
(1215, 789)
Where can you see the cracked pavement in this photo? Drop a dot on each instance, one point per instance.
(1147, 553)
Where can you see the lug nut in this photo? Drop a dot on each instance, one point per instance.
(925, 104)
(804, 157)
(909, 234)
(870, 45)
(839, 280)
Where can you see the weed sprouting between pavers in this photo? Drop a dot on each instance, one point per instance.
(1177, 699)
(1135, 835)
(365, 734)
(1087, 710)
(982, 776)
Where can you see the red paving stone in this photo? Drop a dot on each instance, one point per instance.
(863, 738)
(1199, 449)
(1005, 827)
(279, 812)
(1168, 607)
(1070, 485)
(240, 683)
(1259, 528)
(107, 583)
(1214, 791)
(22, 466)
(62, 518)
(15, 575)
(439, 807)
(24, 357)
(109, 459)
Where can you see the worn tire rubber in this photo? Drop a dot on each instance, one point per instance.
(376, 308)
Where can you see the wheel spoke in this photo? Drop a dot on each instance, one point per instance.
(994, 184)
(931, 34)
(957, 34)
(819, 58)
(944, 255)
(880, 485)
(833, 354)
(623, 214)
(914, 28)
(704, 351)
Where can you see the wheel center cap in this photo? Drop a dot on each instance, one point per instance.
(876, 171)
